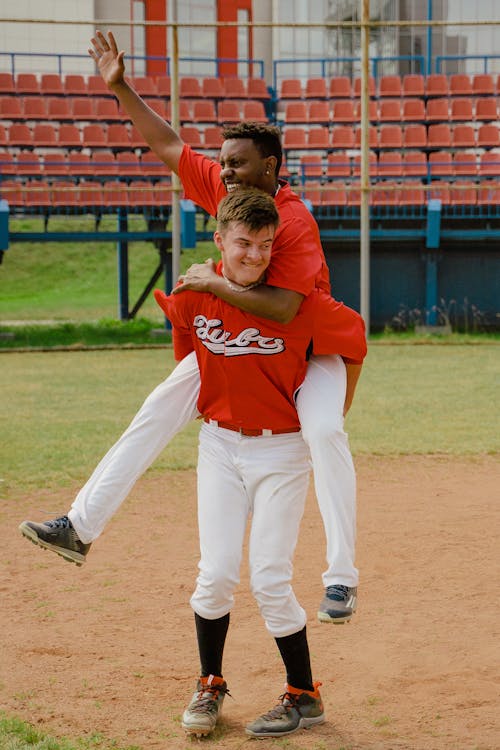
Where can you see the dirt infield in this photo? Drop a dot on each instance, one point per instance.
(109, 648)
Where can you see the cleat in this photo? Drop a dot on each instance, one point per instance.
(201, 716)
(339, 604)
(297, 709)
(58, 536)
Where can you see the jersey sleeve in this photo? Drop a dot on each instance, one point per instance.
(337, 329)
(200, 177)
(296, 258)
(175, 311)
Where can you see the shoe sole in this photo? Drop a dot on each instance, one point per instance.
(325, 617)
(304, 723)
(197, 731)
(68, 555)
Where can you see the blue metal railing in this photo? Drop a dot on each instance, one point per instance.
(485, 58)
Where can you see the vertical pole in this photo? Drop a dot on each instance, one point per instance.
(122, 266)
(176, 185)
(429, 38)
(365, 169)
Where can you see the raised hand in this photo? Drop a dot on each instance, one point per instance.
(109, 60)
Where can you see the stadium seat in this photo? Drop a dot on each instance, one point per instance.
(372, 110)
(228, 112)
(415, 136)
(55, 165)
(27, 83)
(164, 86)
(460, 85)
(163, 193)
(410, 195)
(212, 88)
(7, 84)
(35, 108)
(213, 138)
(318, 138)
(463, 136)
(413, 85)
(204, 111)
(13, 192)
(82, 109)
(190, 88)
(295, 112)
(79, 164)
(58, 108)
(91, 195)
(234, 88)
(389, 110)
(464, 163)
(414, 164)
(20, 135)
(3, 135)
(413, 110)
(294, 138)
(37, 194)
(342, 137)
(11, 108)
(439, 136)
(488, 136)
(75, 85)
(353, 192)
(340, 88)
(152, 166)
(389, 86)
(257, 89)
(390, 164)
(318, 112)
(461, 110)
(311, 191)
(338, 165)
(371, 87)
(7, 164)
(28, 163)
(486, 109)
(106, 110)
(373, 166)
(390, 136)
(385, 193)
(311, 165)
(51, 84)
(334, 194)
(65, 194)
(343, 111)
(44, 135)
(290, 88)
(437, 110)
(253, 111)
(489, 164)
(436, 84)
(483, 85)
(69, 136)
(489, 194)
(94, 136)
(103, 163)
(128, 164)
(136, 139)
(439, 190)
(141, 194)
(97, 87)
(115, 194)
(440, 164)
(191, 135)
(145, 86)
(157, 105)
(463, 193)
(316, 88)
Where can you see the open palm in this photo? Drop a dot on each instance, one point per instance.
(109, 60)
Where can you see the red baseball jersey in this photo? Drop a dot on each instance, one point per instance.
(251, 367)
(297, 260)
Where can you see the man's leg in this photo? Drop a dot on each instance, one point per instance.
(320, 404)
(167, 410)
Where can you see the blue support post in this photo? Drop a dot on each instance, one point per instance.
(122, 249)
(188, 224)
(4, 227)
(433, 231)
(432, 243)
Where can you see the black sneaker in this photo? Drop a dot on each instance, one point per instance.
(296, 709)
(339, 604)
(57, 535)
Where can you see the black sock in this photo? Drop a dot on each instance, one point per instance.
(295, 654)
(211, 636)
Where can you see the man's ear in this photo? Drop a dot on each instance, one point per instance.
(271, 163)
(218, 241)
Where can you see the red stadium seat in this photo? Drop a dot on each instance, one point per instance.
(145, 86)
(463, 136)
(65, 194)
(94, 136)
(213, 138)
(342, 137)
(385, 193)
(338, 165)
(413, 85)
(3, 136)
(253, 111)
(294, 138)
(164, 86)
(463, 193)
(436, 84)
(204, 111)
(82, 109)
(7, 84)
(11, 108)
(104, 163)
(464, 163)
(163, 193)
(372, 136)
(489, 194)
(75, 85)
(7, 164)
(152, 166)
(413, 110)
(20, 135)
(371, 87)
(13, 192)
(234, 88)
(106, 110)
(157, 105)
(318, 138)
(343, 111)
(37, 194)
(410, 195)
(79, 164)
(390, 110)
(372, 169)
(55, 164)
(439, 190)
(191, 135)
(296, 112)
(291, 88)
(414, 164)
(190, 88)
(128, 164)
(311, 165)
(91, 195)
(97, 87)
(460, 85)
(340, 88)
(136, 139)
(483, 85)
(391, 136)
(212, 88)
(461, 110)
(334, 195)
(229, 112)
(415, 136)
(440, 164)
(35, 108)
(44, 135)
(488, 136)
(316, 88)
(354, 193)
(58, 108)
(489, 164)
(372, 110)
(51, 84)
(141, 193)
(486, 109)
(257, 89)
(439, 136)
(437, 110)
(28, 163)
(318, 112)
(69, 136)
(311, 191)
(390, 164)
(27, 83)
(389, 86)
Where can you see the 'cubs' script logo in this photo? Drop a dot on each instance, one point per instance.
(248, 341)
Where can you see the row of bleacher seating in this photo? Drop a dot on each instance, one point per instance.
(51, 84)
(439, 135)
(112, 194)
(88, 109)
(392, 110)
(128, 164)
(121, 136)
(393, 86)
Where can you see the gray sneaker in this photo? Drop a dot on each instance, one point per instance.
(296, 709)
(200, 717)
(57, 535)
(339, 604)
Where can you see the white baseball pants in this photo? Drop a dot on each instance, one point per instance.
(172, 405)
(265, 478)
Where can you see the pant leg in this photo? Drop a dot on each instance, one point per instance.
(167, 410)
(320, 404)
(223, 509)
(276, 472)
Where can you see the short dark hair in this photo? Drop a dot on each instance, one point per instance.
(249, 206)
(267, 138)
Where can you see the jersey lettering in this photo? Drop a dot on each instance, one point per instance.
(248, 341)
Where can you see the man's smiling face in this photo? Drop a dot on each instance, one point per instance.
(243, 166)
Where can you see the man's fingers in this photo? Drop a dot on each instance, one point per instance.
(102, 40)
(112, 42)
